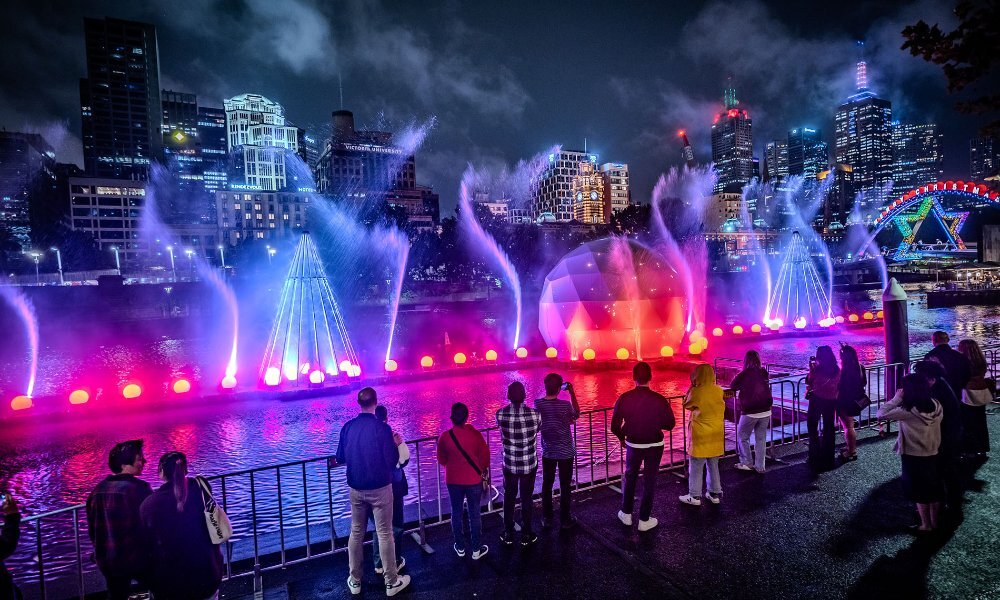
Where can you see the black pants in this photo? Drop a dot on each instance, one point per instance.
(565, 467)
(512, 484)
(648, 459)
(975, 431)
(119, 588)
(822, 444)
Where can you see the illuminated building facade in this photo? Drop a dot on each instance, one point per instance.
(807, 153)
(554, 197)
(775, 161)
(732, 145)
(120, 99)
(723, 212)
(259, 142)
(110, 210)
(984, 158)
(917, 157)
(588, 194)
(25, 159)
(839, 201)
(362, 165)
(260, 215)
(617, 192)
(214, 148)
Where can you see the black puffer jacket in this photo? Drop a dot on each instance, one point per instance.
(754, 391)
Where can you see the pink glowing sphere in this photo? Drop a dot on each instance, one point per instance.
(181, 386)
(521, 352)
(491, 355)
(21, 403)
(612, 293)
(317, 377)
(460, 358)
(228, 382)
(551, 352)
(427, 362)
(738, 330)
(755, 328)
(589, 354)
(272, 376)
(839, 319)
(79, 397)
(132, 390)
(717, 332)
(391, 366)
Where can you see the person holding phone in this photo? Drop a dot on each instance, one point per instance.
(9, 534)
(558, 451)
(822, 388)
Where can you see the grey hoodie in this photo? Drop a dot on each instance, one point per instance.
(919, 433)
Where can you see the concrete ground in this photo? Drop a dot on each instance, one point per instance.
(786, 534)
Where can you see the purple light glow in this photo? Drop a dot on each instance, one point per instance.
(26, 312)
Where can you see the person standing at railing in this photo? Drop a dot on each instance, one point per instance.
(10, 531)
(975, 396)
(951, 435)
(638, 421)
(370, 451)
(466, 459)
(519, 426)
(706, 435)
(821, 393)
(113, 522)
(918, 442)
(400, 487)
(754, 401)
(851, 399)
(558, 417)
(186, 563)
(957, 369)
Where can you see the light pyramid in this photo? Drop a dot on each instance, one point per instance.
(309, 339)
(800, 296)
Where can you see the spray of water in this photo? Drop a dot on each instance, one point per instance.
(622, 260)
(25, 311)
(756, 192)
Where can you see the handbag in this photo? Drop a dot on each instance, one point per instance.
(484, 475)
(216, 519)
(852, 407)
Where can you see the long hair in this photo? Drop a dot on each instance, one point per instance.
(751, 360)
(703, 374)
(174, 468)
(972, 351)
(917, 393)
(826, 361)
(850, 374)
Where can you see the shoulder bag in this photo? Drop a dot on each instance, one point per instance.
(482, 474)
(219, 527)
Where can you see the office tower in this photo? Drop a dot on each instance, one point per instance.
(776, 161)
(732, 145)
(617, 192)
(984, 158)
(917, 157)
(213, 143)
(27, 163)
(807, 153)
(839, 201)
(260, 143)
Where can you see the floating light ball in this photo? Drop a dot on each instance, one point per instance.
(621, 354)
(839, 319)
(272, 376)
(717, 332)
(853, 318)
(738, 330)
(181, 386)
(132, 390)
(304, 369)
(460, 358)
(703, 342)
(868, 316)
(426, 362)
(522, 352)
(694, 349)
(228, 382)
(666, 352)
(21, 403)
(755, 328)
(589, 354)
(827, 322)
(880, 315)
(491, 355)
(695, 335)
(551, 352)
(79, 397)
(391, 366)
(317, 377)
(800, 323)
(354, 371)
(345, 366)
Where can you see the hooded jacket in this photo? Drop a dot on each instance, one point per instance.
(706, 428)
(919, 433)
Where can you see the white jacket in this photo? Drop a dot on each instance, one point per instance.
(919, 433)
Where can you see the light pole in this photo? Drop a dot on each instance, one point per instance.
(222, 257)
(35, 254)
(270, 254)
(190, 255)
(118, 262)
(62, 280)
(173, 267)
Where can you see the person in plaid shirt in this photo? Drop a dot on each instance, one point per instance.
(519, 426)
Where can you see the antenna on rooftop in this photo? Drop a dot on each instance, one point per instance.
(340, 81)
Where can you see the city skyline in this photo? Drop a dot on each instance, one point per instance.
(491, 111)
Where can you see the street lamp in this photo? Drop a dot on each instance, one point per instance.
(222, 257)
(173, 267)
(118, 262)
(270, 254)
(190, 255)
(35, 254)
(62, 280)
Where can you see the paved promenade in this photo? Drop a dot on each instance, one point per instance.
(787, 534)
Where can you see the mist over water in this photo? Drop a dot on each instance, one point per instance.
(25, 312)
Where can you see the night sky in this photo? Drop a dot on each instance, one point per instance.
(504, 80)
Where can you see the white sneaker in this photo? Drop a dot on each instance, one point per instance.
(399, 567)
(481, 552)
(354, 586)
(689, 499)
(742, 467)
(713, 498)
(626, 519)
(460, 553)
(399, 586)
(648, 524)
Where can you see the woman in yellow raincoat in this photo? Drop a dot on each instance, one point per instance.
(705, 435)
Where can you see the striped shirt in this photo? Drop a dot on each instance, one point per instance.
(519, 430)
(557, 428)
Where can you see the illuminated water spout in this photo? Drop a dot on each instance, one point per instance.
(401, 251)
(799, 292)
(26, 312)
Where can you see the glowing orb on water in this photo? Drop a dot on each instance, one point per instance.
(738, 329)
(755, 328)
(491, 355)
(621, 354)
(272, 376)
(21, 403)
(522, 352)
(853, 318)
(228, 382)
(868, 316)
(717, 332)
(880, 315)
(354, 371)
(694, 349)
(695, 335)
(460, 358)
(666, 352)
(589, 354)
(551, 352)
(345, 366)
(181, 386)
(800, 323)
(426, 362)
(391, 366)
(317, 377)
(79, 397)
(132, 390)
(839, 319)
(828, 322)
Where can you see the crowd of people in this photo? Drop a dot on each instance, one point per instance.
(161, 539)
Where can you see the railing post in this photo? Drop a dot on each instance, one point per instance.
(41, 559)
(420, 497)
(79, 552)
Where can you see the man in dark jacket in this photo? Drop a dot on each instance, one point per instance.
(9, 534)
(957, 368)
(113, 522)
(639, 419)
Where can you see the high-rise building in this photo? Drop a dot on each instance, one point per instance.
(362, 165)
(723, 211)
(182, 156)
(839, 201)
(259, 142)
(120, 99)
(214, 145)
(776, 161)
(110, 210)
(589, 194)
(807, 153)
(917, 156)
(554, 197)
(617, 191)
(984, 158)
(864, 141)
(260, 215)
(732, 145)
(25, 158)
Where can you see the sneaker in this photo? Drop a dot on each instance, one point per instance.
(399, 567)
(354, 586)
(713, 498)
(742, 467)
(528, 539)
(399, 586)
(760, 471)
(648, 524)
(481, 552)
(460, 553)
(506, 538)
(625, 518)
(689, 499)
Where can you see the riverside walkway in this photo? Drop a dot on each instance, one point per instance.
(786, 534)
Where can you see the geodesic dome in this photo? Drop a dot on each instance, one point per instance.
(612, 293)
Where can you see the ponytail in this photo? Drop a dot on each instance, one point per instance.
(174, 469)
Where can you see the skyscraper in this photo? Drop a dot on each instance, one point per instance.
(984, 158)
(554, 196)
(732, 145)
(24, 158)
(776, 161)
(120, 99)
(182, 154)
(589, 194)
(864, 141)
(259, 142)
(617, 190)
(807, 153)
(214, 148)
(917, 157)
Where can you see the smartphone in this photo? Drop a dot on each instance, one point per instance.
(3, 498)
(564, 386)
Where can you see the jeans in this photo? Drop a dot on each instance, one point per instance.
(821, 447)
(565, 466)
(397, 530)
(757, 427)
(696, 475)
(472, 494)
(649, 460)
(512, 484)
(379, 501)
